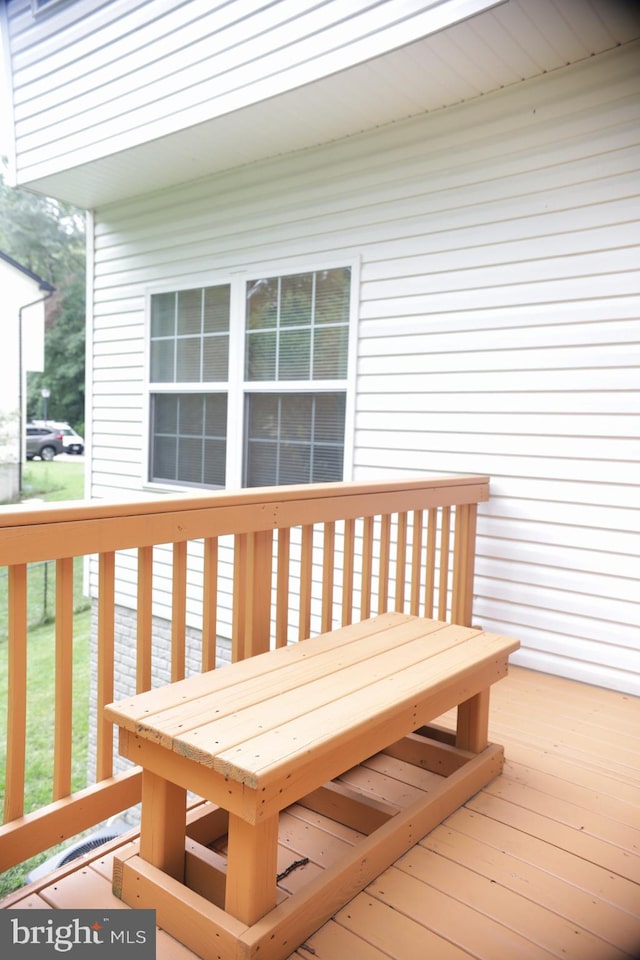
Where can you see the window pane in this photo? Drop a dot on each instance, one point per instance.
(330, 353)
(261, 467)
(215, 359)
(190, 460)
(327, 464)
(295, 463)
(190, 335)
(263, 423)
(217, 308)
(188, 366)
(215, 462)
(165, 413)
(188, 436)
(295, 347)
(163, 315)
(162, 361)
(191, 415)
(296, 295)
(216, 415)
(262, 304)
(329, 417)
(164, 458)
(293, 438)
(189, 311)
(296, 417)
(261, 356)
(333, 290)
(308, 316)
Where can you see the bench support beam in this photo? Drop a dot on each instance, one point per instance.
(472, 732)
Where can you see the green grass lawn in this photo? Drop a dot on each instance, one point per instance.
(55, 480)
(40, 713)
(63, 480)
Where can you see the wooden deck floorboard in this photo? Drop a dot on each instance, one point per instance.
(542, 863)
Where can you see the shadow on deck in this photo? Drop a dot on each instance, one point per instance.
(544, 862)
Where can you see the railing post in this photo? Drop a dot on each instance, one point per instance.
(464, 550)
(252, 593)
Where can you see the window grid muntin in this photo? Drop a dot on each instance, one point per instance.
(177, 438)
(314, 445)
(279, 328)
(173, 339)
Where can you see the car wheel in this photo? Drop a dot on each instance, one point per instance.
(47, 453)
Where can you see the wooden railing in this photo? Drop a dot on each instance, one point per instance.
(303, 560)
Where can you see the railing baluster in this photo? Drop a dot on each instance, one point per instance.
(210, 603)
(282, 587)
(17, 693)
(306, 574)
(443, 586)
(178, 610)
(328, 569)
(347, 571)
(385, 555)
(367, 568)
(144, 619)
(106, 644)
(63, 679)
(401, 561)
(239, 588)
(416, 562)
(430, 564)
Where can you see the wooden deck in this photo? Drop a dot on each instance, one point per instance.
(544, 862)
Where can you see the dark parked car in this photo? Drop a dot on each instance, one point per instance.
(71, 441)
(43, 442)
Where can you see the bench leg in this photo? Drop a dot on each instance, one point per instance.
(252, 865)
(472, 731)
(163, 824)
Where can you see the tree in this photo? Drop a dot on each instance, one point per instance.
(48, 237)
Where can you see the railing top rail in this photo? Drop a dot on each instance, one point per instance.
(25, 514)
(28, 534)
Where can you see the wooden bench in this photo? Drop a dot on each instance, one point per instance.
(278, 729)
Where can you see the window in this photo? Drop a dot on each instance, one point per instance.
(43, 6)
(277, 415)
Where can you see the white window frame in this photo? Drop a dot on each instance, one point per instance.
(236, 387)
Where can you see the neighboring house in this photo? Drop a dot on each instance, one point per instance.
(362, 240)
(23, 296)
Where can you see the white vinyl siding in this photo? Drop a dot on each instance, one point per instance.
(498, 331)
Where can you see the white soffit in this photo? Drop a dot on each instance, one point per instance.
(511, 42)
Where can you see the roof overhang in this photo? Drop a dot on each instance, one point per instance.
(470, 59)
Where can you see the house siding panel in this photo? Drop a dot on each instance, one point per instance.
(498, 330)
(91, 79)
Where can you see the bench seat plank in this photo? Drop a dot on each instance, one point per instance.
(246, 703)
(135, 713)
(293, 694)
(368, 714)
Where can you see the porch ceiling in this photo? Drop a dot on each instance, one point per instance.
(508, 44)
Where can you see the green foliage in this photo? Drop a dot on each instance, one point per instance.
(48, 237)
